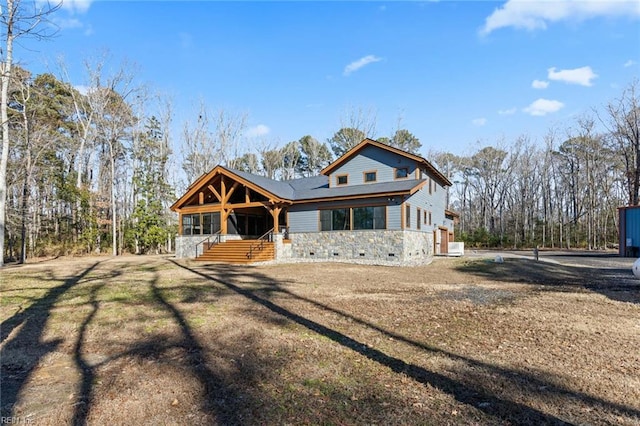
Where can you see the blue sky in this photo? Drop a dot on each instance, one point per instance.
(458, 73)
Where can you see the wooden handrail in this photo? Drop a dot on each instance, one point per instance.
(215, 235)
(260, 244)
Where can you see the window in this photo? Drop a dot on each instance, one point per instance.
(370, 176)
(335, 220)
(430, 185)
(370, 217)
(402, 173)
(210, 223)
(418, 219)
(425, 217)
(363, 218)
(429, 218)
(191, 224)
(342, 179)
(407, 212)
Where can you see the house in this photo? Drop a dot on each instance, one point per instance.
(374, 204)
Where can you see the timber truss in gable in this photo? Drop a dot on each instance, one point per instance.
(223, 191)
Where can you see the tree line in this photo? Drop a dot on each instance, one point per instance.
(561, 192)
(94, 168)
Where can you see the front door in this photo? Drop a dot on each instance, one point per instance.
(444, 241)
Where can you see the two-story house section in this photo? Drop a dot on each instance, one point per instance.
(375, 204)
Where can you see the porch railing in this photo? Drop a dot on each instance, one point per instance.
(284, 230)
(210, 241)
(259, 246)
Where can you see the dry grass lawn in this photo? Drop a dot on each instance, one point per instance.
(151, 340)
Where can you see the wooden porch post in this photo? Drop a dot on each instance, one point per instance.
(275, 212)
(224, 213)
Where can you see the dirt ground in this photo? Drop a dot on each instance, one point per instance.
(153, 340)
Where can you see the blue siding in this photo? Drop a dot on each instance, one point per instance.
(371, 158)
(305, 217)
(434, 203)
(394, 217)
(632, 228)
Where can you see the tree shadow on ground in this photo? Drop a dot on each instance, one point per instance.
(223, 398)
(615, 283)
(21, 353)
(473, 392)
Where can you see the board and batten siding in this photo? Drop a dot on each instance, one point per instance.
(434, 203)
(372, 159)
(305, 217)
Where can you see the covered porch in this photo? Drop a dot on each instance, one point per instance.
(222, 206)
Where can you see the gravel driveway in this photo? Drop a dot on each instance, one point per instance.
(590, 259)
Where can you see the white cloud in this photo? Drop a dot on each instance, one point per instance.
(364, 61)
(76, 6)
(509, 111)
(539, 84)
(479, 121)
(259, 130)
(581, 76)
(629, 63)
(542, 107)
(536, 15)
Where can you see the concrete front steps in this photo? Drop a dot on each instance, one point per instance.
(236, 251)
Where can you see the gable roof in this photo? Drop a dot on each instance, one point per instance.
(270, 188)
(370, 142)
(316, 188)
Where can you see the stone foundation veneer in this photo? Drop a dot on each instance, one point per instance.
(366, 246)
(186, 244)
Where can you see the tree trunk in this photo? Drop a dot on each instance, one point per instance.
(4, 117)
(114, 226)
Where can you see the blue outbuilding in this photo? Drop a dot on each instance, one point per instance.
(629, 227)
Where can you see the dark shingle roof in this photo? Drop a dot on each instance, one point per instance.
(317, 187)
(309, 183)
(358, 190)
(276, 187)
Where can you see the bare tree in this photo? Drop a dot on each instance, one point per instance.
(623, 122)
(290, 159)
(355, 125)
(199, 150)
(213, 139)
(271, 159)
(362, 119)
(229, 129)
(109, 98)
(17, 20)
